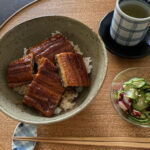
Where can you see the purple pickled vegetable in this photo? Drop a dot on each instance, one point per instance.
(136, 113)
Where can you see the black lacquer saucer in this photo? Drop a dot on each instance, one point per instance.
(140, 50)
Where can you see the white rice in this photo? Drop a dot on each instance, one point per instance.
(76, 48)
(58, 110)
(56, 32)
(88, 61)
(67, 101)
(21, 90)
(25, 50)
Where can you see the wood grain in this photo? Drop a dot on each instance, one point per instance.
(99, 118)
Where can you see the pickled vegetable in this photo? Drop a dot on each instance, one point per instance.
(134, 99)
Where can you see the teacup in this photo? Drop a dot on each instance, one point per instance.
(130, 22)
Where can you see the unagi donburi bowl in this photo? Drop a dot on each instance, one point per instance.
(32, 32)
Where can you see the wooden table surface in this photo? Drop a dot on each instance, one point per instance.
(99, 118)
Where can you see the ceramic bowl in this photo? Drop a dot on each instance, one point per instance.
(30, 33)
(117, 84)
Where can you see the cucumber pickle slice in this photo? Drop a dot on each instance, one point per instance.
(136, 82)
(131, 93)
(138, 120)
(140, 104)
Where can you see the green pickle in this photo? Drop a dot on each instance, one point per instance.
(147, 97)
(131, 93)
(117, 96)
(146, 87)
(140, 104)
(136, 82)
(138, 120)
(138, 90)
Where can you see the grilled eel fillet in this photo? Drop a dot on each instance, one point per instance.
(45, 90)
(20, 71)
(72, 69)
(50, 47)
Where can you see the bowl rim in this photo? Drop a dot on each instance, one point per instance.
(82, 105)
(114, 106)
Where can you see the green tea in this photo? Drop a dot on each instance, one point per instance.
(135, 8)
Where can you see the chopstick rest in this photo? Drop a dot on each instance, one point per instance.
(24, 130)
